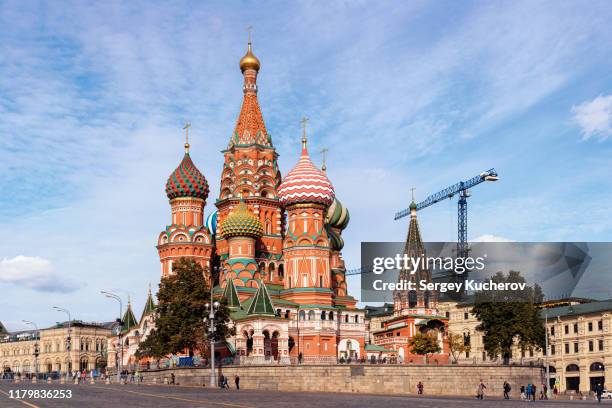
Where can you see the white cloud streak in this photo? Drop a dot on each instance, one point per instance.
(594, 117)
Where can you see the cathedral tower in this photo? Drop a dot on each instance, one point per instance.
(306, 193)
(186, 236)
(250, 174)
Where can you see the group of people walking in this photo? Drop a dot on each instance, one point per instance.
(530, 392)
(223, 382)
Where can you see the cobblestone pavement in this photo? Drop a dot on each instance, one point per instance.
(149, 396)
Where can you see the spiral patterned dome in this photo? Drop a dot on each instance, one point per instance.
(337, 215)
(211, 222)
(305, 183)
(187, 181)
(241, 223)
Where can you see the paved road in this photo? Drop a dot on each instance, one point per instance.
(149, 396)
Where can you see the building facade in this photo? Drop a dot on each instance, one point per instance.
(88, 349)
(273, 245)
(579, 341)
(414, 311)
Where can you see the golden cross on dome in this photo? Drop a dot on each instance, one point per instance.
(412, 191)
(186, 128)
(304, 121)
(249, 29)
(324, 152)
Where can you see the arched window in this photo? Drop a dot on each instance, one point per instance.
(302, 315)
(323, 315)
(597, 367)
(572, 368)
(311, 315)
(426, 299)
(331, 315)
(412, 298)
(346, 318)
(356, 318)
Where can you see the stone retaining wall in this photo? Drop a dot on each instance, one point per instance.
(439, 380)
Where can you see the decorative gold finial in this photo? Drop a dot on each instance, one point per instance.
(412, 191)
(249, 61)
(324, 152)
(186, 128)
(304, 121)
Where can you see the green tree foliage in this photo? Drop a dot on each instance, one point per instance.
(180, 313)
(424, 344)
(457, 345)
(508, 316)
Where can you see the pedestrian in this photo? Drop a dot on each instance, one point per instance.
(507, 389)
(533, 392)
(237, 381)
(420, 388)
(222, 381)
(545, 388)
(225, 383)
(481, 390)
(522, 392)
(598, 392)
(528, 391)
(300, 358)
(172, 378)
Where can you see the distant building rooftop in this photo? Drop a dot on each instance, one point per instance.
(577, 309)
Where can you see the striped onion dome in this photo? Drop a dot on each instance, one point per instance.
(305, 183)
(211, 222)
(337, 215)
(241, 223)
(187, 181)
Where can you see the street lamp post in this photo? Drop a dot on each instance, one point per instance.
(69, 339)
(118, 299)
(546, 355)
(36, 350)
(212, 310)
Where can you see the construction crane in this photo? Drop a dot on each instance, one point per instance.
(461, 188)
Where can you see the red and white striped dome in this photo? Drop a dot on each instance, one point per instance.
(305, 183)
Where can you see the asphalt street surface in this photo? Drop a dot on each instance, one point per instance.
(150, 396)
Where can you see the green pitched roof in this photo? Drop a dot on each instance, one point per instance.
(262, 303)
(149, 306)
(129, 320)
(374, 347)
(3, 329)
(231, 295)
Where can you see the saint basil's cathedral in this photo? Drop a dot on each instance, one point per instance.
(271, 248)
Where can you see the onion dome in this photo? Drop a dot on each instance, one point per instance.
(187, 181)
(241, 223)
(305, 183)
(337, 215)
(249, 61)
(211, 222)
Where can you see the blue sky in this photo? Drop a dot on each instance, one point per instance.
(404, 94)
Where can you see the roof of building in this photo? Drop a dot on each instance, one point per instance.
(262, 303)
(231, 294)
(578, 309)
(187, 181)
(241, 223)
(305, 183)
(374, 347)
(129, 320)
(149, 305)
(379, 311)
(3, 329)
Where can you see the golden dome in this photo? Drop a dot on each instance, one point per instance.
(249, 61)
(241, 223)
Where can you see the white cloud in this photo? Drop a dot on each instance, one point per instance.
(34, 273)
(595, 117)
(491, 238)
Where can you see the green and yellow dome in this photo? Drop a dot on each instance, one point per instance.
(337, 215)
(241, 223)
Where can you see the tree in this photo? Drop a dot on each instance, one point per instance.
(424, 344)
(180, 313)
(509, 315)
(457, 345)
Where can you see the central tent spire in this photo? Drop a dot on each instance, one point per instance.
(250, 128)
